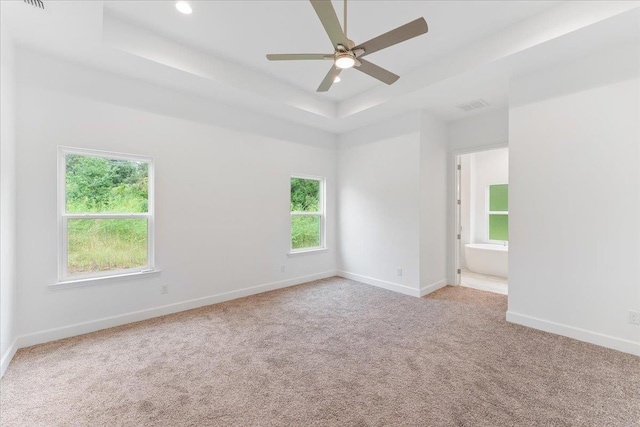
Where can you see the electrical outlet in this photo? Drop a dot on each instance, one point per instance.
(164, 289)
(282, 268)
(634, 317)
(399, 271)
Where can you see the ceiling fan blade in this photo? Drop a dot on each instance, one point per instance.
(327, 14)
(377, 72)
(297, 56)
(400, 34)
(328, 79)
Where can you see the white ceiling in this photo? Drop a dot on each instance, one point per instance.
(244, 31)
(472, 50)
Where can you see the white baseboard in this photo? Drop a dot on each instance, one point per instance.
(7, 356)
(136, 316)
(433, 287)
(579, 334)
(414, 292)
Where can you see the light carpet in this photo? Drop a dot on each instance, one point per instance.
(329, 353)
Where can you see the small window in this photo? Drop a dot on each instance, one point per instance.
(106, 214)
(307, 213)
(499, 212)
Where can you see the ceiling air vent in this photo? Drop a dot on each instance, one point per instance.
(35, 3)
(473, 105)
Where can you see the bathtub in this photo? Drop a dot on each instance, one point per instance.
(487, 258)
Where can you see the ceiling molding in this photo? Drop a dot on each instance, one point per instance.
(87, 33)
(73, 80)
(555, 22)
(135, 40)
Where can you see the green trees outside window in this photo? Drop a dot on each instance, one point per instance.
(106, 214)
(95, 184)
(106, 244)
(306, 213)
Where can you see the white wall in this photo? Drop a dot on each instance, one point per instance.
(434, 211)
(488, 167)
(392, 199)
(490, 129)
(379, 173)
(575, 199)
(222, 197)
(8, 284)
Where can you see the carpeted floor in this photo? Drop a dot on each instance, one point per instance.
(331, 352)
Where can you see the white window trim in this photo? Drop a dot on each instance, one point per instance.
(321, 213)
(93, 281)
(488, 213)
(63, 217)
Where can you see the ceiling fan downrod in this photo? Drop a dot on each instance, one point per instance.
(350, 42)
(345, 20)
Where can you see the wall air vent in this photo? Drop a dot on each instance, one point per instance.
(473, 105)
(35, 3)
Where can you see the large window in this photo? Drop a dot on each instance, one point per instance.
(499, 212)
(307, 213)
(105, 214)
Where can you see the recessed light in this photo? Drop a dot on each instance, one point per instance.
(337, 79)
(184, 7)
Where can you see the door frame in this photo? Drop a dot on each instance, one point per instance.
(455, 243)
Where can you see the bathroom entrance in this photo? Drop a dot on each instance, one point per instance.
(482, 219)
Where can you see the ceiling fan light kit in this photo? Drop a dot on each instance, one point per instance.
(346, 53)
(345, 60)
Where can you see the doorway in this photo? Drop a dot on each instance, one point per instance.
(482, 220)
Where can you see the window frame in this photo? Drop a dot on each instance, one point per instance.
(63, 216)
(321, 213)
(490, 212)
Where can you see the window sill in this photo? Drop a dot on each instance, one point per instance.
(306, 252)
(89, 281)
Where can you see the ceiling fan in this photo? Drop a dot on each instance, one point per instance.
(346, 53)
